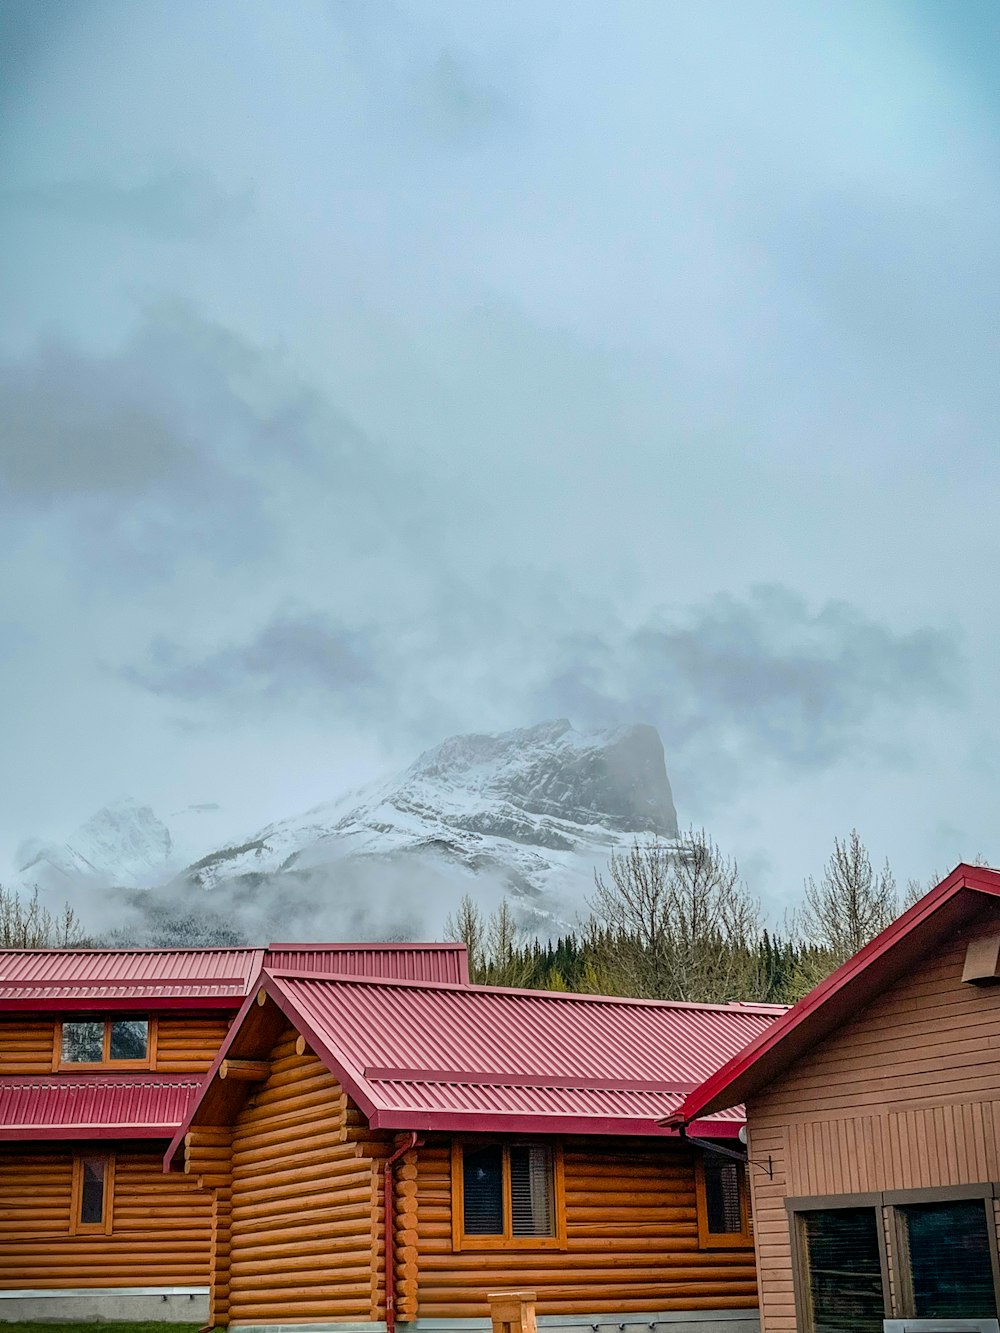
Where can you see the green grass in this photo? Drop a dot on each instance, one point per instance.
(97, 1326)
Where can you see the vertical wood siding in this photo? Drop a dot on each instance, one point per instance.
(906, 1096)
(160, 1225)
(305, 1206)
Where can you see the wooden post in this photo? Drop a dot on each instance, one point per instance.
(512, 1311)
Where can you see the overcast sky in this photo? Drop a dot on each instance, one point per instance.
(372, 370)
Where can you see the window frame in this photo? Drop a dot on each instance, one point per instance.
(105, 1227)
(105, 1062)
(723, 1240)
(897, 1284)
(508, 1241)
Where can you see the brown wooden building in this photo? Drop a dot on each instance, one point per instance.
(101, 1052)
(392, 1152)
(873, 1113)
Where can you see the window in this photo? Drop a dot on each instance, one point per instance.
(104, 1041)
(843, 1270)
(93, 1193)
(945, 1260)
(507, 1195)
(723, 1198)
(916, 1254)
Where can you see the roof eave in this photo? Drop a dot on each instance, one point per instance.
(806, 1022)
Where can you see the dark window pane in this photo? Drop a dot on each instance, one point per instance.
(950, 1260)
(532, 1190)
(129, 1038)
(92, 1193)
(722, 1195)
(843, 1270)
(82, 1043)
(482, 1172)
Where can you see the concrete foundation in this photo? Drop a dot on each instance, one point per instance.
(174, 1305)
(698, 1321)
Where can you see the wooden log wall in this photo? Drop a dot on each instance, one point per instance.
(306, 1211)
(632, 1241)
(185, 1043)
(188, 1044)
(26, 1045)
(160, 1225)
(208, 1154)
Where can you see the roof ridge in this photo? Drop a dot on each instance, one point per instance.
(409, 983)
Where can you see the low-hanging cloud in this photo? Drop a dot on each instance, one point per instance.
(762, 677)
(294, 656)
(732, 684)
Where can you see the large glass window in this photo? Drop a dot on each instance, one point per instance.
(843, 1270)
(947, 1252)
(95, 1041)
(928, 1260)
(505, 1194)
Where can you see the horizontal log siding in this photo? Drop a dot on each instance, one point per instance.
(160, 1236)
(632, 1241)
(188, 1044)
(305, 1210)
(185, 1043)
(905, 1096)
(26, 1046)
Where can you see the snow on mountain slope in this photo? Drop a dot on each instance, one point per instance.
(528, 813)
(122, 844)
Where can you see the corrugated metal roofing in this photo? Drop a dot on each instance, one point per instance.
(81, 1106)
(175, 978)
(423, 1056)
(405, 962)
(67, 978)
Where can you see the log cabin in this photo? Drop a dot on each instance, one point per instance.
(873, 1128)
(383, 1153)
(101, 1052)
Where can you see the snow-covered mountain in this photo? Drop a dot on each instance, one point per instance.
(527, 813)
(125, 844)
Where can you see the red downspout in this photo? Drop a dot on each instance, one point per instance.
(390, 1233)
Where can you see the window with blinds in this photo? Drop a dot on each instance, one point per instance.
(531, 1190)
(506, 1194)
(483, 1190)
(946, 1250)
(723, 1208)
(723, 1197)
(843, 1270)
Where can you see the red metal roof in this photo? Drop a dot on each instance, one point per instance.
(842, 994)
(93, 1106)
(66, 979)
(478, 1058)
(406, 962)
(122, 978)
